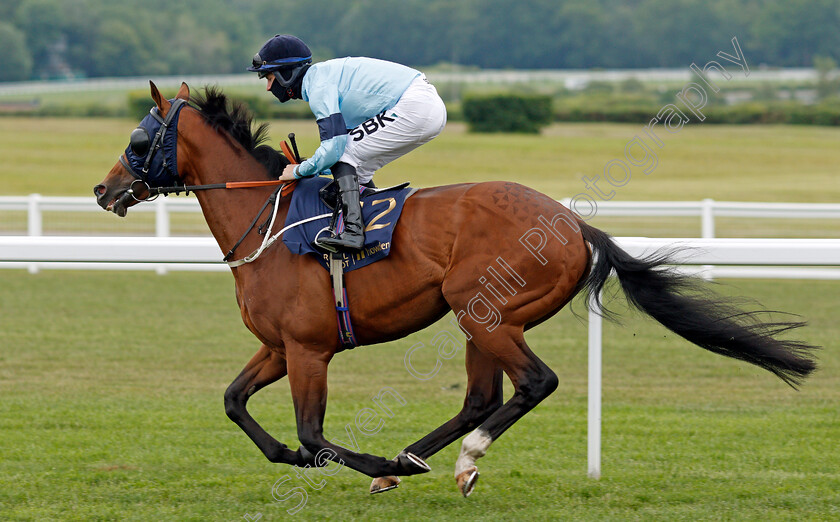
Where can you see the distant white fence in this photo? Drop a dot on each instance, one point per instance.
(573, 78)
(707, 210)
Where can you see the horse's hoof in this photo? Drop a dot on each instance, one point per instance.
(411, 464)
(466, 481)
(382, 484)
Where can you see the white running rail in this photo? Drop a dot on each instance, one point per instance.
(707, 210)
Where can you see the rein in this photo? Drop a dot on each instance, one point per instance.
(285, 188)
(294, 159)
(269, 240)
(186, 189)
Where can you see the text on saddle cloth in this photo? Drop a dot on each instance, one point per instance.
(380, 212)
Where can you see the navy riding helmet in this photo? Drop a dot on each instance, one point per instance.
(283, 56)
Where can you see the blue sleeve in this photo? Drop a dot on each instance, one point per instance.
(325, 156)
(331, 128)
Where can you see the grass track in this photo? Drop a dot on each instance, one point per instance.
(111, 383)
(112, 410)
(739, 163)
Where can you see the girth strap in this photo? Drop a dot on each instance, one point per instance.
(342, 308)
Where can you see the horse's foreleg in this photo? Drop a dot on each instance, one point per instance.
(484, 396)
(264, 368)
(308, 380)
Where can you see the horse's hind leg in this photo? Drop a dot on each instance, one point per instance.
(264, 368)
(484, 396)
(532, 380)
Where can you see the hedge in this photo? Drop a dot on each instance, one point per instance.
(744, 113)
(262, 107)
(491, 113)
(507, 112)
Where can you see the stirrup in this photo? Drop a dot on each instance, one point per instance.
(329, 248)
(339, 243)
(320, 244)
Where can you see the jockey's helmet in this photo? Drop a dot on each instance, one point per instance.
(283, 54)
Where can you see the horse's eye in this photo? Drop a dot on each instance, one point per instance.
(140, 141)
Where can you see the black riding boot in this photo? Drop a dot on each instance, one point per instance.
(353, 237)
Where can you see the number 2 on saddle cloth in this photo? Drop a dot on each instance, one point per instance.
(381, 209)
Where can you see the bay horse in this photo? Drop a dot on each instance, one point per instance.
(448, 238)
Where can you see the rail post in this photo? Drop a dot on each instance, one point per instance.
(593, 432)
(34, 223)
(707, 230)
(162, 228)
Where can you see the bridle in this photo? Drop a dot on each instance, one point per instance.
(141, 157)
(155, 171)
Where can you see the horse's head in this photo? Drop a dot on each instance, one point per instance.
(151, 158)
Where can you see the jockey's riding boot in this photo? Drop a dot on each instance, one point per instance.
(353, 237)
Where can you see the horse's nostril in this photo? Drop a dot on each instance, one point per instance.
(99, 190)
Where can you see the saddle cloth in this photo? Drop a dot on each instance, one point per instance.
(381, 208)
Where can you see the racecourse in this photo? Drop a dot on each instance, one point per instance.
(111, 384)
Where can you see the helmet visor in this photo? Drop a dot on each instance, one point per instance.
(264, 68)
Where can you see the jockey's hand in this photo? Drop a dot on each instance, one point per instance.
(288, 173)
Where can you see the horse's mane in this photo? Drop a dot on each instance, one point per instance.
(237, 120)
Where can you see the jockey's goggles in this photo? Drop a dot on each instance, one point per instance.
(264, 68)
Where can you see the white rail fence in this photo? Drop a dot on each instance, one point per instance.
(766, 258)
(35, 205)
(779, 258)
(571, 77)
(707, 210)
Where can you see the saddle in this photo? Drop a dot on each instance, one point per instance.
(381, 208)
(330, 197)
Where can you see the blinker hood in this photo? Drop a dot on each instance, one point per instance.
(155, 134)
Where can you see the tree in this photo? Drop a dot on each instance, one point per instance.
(119, 51)
(674, 33)
(590, 36)
(8, 9)
(15, 60)
(828, 80)
(194, 49)
(793, 31)
(41, 21)
(119, 37)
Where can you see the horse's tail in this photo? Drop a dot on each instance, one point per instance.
(685, 307)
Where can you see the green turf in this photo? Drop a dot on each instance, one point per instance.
(736, 163)
(727, 163)
(112, 384)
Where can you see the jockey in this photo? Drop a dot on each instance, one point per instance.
(369, 112)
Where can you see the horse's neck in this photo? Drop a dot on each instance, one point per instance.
(229, 212)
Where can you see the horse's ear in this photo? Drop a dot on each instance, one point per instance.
(162, 103)
(183, 92)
